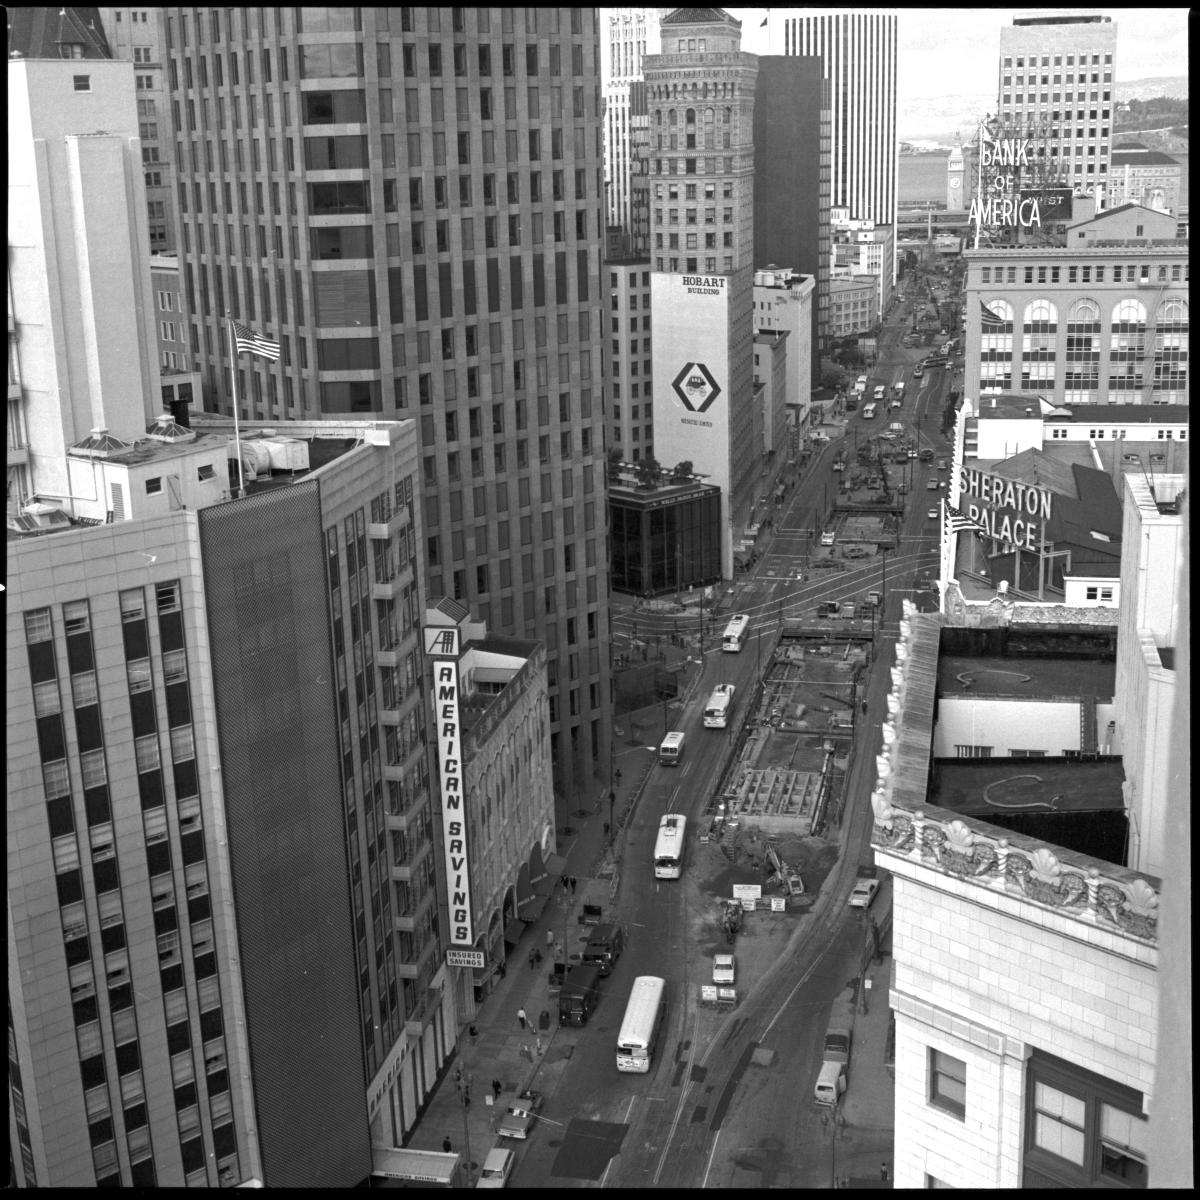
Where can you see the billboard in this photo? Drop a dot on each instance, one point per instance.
(691, 373)
(1004, 509)
(1017, 186)
(441, 645)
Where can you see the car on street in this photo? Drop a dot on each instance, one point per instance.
(497, 1168)
(933, 513)
(912, 453)
(864, 893)
(933, 485)
(827, 539)
(724, 968)
(521, 1115)
(827, 608)
(925, 455)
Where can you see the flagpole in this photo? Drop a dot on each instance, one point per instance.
(237, 435)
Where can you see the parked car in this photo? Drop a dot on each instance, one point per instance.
(497, 1168)
(521, 1115)
(864, 893)
(943, 464)
(933, 485)
(925, 454)
(912, 453)
(724, 968)
(933, 513)
(827, 608)
(827, 539)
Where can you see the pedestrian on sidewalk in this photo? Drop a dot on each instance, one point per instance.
(550, 938)
(446, 1147)
(883, 1172)
(521, 1018)
(497, 1088)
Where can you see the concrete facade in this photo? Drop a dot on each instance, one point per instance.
(784, 301)
(701, 94)
(1104, 320)
(1025, 978)
(1057, 86)
(79, 262)
(1153, 540)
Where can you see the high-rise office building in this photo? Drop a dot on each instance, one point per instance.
(791, 198)
(628, 35)
(78, 267)
(135, 34)
(859, 52)
(700, 92)
(1057, 83)
(412, 200)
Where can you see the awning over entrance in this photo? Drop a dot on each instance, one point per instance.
(531, 908)
(415, 1166)
(513, 931)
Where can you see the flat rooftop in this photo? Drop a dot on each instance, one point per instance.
(987, 788)
(1024, 678)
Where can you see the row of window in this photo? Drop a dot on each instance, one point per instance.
(1055, 97)
(1128, 316)
(1121, 273)
(1032, 61)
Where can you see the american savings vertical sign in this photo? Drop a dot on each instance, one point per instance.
(442, 647)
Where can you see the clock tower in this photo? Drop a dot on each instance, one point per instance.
(956, 190)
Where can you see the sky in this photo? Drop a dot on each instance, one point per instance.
(953, 51)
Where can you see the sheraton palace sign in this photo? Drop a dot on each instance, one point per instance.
(1008, 511)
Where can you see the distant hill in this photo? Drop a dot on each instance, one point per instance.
(951, 119)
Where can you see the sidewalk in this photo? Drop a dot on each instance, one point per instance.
(535, 1056)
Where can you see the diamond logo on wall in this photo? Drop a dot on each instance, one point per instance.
(696, 387)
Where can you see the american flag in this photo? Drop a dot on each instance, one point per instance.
(989, 321)
(957, 521)
(245, 339)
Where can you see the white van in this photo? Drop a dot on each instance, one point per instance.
(868, 411)
(878, 394)
(860, 385)
(831, 1083)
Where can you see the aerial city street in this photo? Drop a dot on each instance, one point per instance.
(598, 598)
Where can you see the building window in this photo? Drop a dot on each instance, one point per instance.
(83, 83)
(973, 751)
(1058, 1123)
(948, 1083)
(154, 486)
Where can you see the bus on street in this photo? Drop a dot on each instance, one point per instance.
(642, 1024)
(671, 750)
(735, 632)
(669, 846)
(719, 706)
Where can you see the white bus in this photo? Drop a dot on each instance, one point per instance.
(669, 846)
(735, 632)
(642, 1024)
(671, 750)
(719, 706)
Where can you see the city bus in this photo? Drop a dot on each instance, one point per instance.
(719, 706)
(669, 846)
(642, 1024)
(671, 750)
(735, 632)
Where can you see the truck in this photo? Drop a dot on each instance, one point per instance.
(835, 1056)
(604, 947)
(579, 994)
